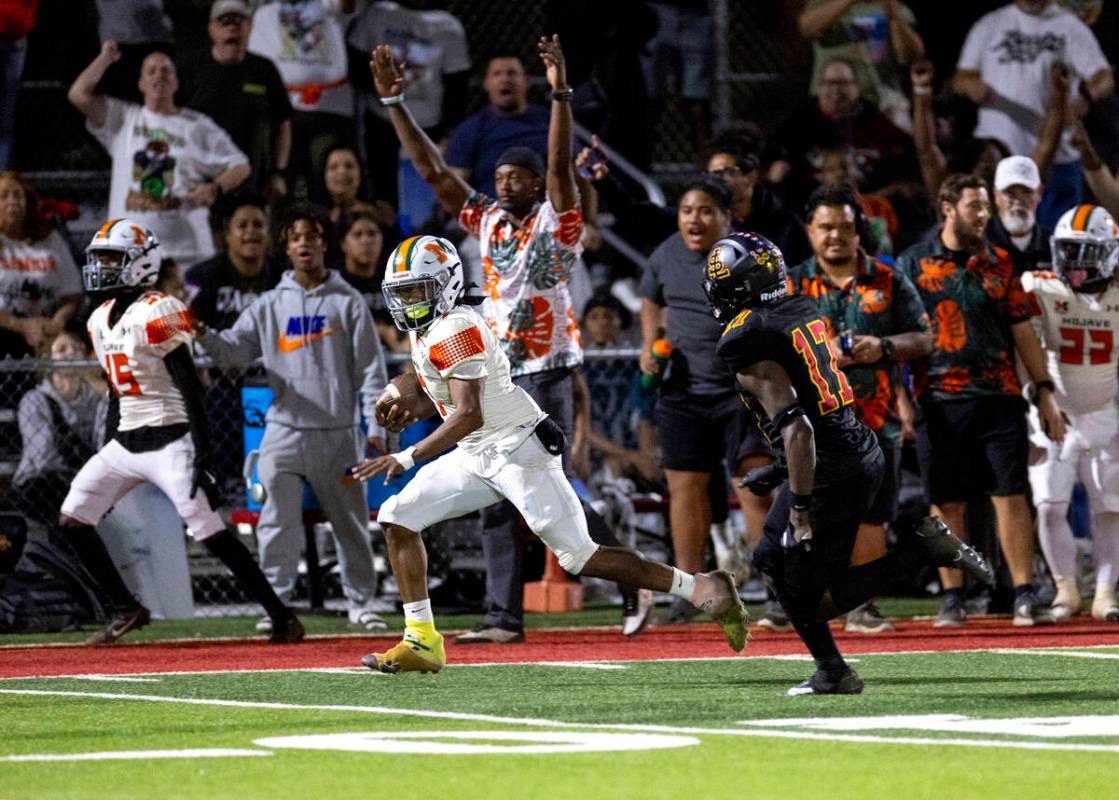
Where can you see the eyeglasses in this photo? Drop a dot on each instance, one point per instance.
(725, 172)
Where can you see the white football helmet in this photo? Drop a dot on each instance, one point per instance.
(122, 254)
(423, 281)
(1085, 247)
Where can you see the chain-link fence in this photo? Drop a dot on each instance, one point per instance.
(53, 419)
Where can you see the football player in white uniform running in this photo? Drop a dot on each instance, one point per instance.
(1078, 325)
(507, 449)
(158, 417)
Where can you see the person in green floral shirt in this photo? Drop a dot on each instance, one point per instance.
(876, 321)
(972, 433)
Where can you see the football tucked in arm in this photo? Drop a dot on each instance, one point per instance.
(402, 403)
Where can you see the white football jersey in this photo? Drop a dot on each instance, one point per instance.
(461, 345)
(1078, 332)
(132, 353)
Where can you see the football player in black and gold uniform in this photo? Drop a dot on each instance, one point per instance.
(779, 349)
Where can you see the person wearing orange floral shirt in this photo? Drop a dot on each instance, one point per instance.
(972, 433)
(529, 238)
(877, 322)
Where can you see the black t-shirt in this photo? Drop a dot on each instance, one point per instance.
(792, 333)
(1037, 254)
(246, 99)
(223, 292)
(673, 279)
(370, 291)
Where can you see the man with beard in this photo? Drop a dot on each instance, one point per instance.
(972, 434)
(876, 322)
(1015, 227)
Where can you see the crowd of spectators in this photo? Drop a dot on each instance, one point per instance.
(885, 180)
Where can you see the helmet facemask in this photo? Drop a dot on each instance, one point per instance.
(102, 270)
(1085, 263)
(416, 302)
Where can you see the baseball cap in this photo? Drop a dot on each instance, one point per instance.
(222, 7)
(1017, 171)
(521, 156)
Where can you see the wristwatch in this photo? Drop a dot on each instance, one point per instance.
(887, 349)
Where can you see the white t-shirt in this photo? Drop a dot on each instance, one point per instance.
(132, 353)
(156, 159)
(34, 277)
(1078, 333)
(305, 41)
(1013, 52)
(429, 43)
(461, 345)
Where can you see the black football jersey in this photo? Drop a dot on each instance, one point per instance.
(792, 333)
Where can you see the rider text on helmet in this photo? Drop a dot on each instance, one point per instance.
(744, 270)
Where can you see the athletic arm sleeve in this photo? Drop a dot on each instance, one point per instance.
(180, 365)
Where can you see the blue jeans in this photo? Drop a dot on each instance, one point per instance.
(12, 55)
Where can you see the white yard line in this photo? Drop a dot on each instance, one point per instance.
(1079, 653)
(547, 723)
(124, 755)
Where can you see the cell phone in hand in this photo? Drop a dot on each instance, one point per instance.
(596, 157)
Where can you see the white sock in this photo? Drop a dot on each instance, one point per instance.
(683, 584)
(419, 611)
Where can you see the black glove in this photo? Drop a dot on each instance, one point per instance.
(205, 480)
(763, 480)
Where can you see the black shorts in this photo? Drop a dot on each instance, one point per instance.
(838, 508)
(970, 446)
(884, 507)
(699, 432)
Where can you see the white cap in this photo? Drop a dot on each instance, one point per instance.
(1017, 171)
(223, 7)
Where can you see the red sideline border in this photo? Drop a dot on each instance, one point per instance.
(540, 646)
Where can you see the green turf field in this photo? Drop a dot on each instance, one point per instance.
(1036, 724)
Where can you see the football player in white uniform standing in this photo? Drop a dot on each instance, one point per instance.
(1078, 325)
(507, 449)
(142, 339)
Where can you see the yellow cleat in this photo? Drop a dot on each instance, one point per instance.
(716, 594)
(411, 655)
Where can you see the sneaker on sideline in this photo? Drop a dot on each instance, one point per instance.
(867, 619)
(367, 619)
(774, 618)
(1028, 611)
(489, 634)
(952, 614)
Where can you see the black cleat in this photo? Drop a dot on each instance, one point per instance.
(822, 683)
(287, 631)
(121, 624)
(944, 549)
